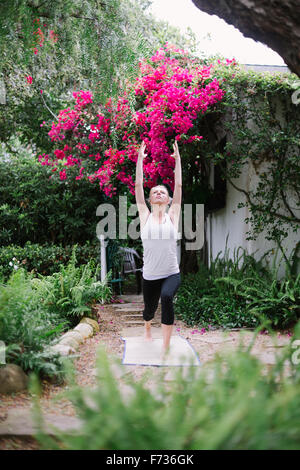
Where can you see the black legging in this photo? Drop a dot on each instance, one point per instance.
(164, 288)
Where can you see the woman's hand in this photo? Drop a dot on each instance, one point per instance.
(142, 153)
(176, 151)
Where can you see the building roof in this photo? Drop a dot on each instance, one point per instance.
(267, 68)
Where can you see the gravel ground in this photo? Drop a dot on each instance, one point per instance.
(206, 344)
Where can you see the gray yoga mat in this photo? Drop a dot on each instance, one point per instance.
(137, 351)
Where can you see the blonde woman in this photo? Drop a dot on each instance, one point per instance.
(159, 234)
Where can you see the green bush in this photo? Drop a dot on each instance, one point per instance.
(232, 294)
(44, 259)
(71, 291)
(27, 327)
(204, 301)
(34, 311)
(233, 404)
(39, 209)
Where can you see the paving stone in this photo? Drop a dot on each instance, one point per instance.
(184, 371)
(19, 422)
(212, 340)
(118, 370)
(267, 358)
(279, 343)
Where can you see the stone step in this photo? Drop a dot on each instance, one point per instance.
(138, 325)
(129, 309)
(128, 305)
(131, 298)
(135, 315)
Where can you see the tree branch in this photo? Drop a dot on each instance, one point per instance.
(263, 210)
(48, 107)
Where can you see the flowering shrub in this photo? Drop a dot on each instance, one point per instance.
(167, 101)
(39, 36)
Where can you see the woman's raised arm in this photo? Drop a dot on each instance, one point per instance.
(177, 176)
(175, 207)
(139, 189)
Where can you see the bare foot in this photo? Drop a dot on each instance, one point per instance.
(164, 352)
(147, 334)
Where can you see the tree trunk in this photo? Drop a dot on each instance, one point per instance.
(275, 23)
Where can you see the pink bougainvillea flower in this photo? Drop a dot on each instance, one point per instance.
(53, 35)
(29, 79)
(172, 91)
(63, 175)
(264, 332)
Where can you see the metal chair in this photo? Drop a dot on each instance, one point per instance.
(114, 263)
(130, 267)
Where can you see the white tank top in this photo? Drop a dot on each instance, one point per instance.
(160, 249)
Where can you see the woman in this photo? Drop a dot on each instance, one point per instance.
(159, 233)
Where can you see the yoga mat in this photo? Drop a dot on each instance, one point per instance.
(139, 352)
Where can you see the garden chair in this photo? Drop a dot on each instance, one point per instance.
(130, 265)
(114, 262)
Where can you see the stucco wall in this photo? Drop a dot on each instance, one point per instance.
(231, 221)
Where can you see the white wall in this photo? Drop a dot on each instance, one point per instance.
(231, 221)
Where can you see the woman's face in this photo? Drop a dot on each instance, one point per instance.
(159, 195)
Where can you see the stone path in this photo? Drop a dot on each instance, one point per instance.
(18, 422)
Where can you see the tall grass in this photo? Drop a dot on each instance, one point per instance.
(233, 404)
